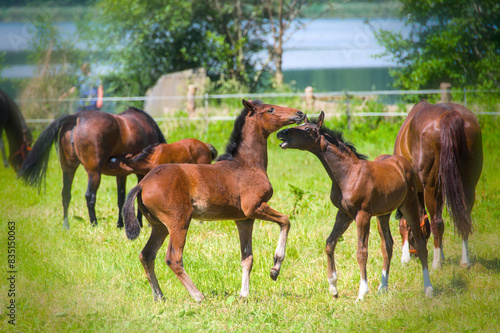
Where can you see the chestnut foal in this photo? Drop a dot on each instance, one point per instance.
(362, 189)
(191, 151)
(236, 187)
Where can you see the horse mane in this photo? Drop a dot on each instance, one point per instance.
(336, 138)
(236, 135)
(161, 137)
(145, 153)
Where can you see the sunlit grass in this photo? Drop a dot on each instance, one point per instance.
(90, 279)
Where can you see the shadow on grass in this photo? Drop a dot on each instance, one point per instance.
(489, 264)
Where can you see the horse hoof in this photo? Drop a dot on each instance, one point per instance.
(429, 292)
(274, 274)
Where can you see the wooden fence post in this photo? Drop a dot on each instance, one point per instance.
(445, 92)
(191, 105)
(347, 110)
(309, 91)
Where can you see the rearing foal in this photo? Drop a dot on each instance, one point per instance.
(362, 189)
(236, 187)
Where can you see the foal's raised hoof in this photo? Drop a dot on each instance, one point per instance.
(274, 274)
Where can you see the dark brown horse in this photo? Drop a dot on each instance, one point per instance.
(91, 138)
(443, 143)
(18, 134)
(190, 151)
(362, 189)
(236, 187)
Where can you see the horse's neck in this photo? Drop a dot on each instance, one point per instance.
(253, 146)
(338, 164)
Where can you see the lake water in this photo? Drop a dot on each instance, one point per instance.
(330, 54)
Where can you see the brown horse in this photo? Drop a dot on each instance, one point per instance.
(443, 143)
(92, 138)
(18, 134)
(362, 189)
(190, 151)
(236, 187)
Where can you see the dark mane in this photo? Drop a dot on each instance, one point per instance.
(336, 138)
(161, 138)
(145, 153)
(235, 138)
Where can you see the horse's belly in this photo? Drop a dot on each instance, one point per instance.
(210, 211)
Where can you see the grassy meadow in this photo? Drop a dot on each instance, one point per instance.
(89, 279)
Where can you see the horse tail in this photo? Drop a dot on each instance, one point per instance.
(212, 150)
(132, 226)
(453, 150)
(34, 168)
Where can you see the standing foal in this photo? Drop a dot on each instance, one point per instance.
(362, 189)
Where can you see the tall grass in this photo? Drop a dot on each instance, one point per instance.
(90, 278)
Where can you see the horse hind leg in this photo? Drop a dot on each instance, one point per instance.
(404, 231)
(245, 230)
(94, 180)
(68, 175)
(173, 259)
(148, 255)
(386, 247)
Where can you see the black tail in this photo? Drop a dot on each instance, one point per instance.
(132, 226)
(212, 150)
(453, 152)
(34, 168)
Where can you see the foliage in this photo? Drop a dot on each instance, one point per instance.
(55, 57)
(449, 41)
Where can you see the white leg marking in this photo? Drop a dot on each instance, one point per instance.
(405, 257)
(332, 283)
(438, 257)
(384, 282)
(363, 289)
(465, 254)
(427, 283)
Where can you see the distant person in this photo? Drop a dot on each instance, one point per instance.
(89, 88)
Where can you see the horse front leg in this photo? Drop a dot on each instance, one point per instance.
(265, 212)
(245, 230)
(342, 222)
(92, 187)
(386, 247)
(121, 184)
(4, 155)
(363, 226)
(404, 231)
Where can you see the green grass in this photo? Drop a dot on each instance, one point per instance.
(90, 279)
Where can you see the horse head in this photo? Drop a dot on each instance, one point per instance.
(303, 137)
(272, 117)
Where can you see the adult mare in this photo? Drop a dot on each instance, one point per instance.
(18, 133)
(443, 143)
(91, 138)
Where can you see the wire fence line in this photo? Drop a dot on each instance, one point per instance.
(339, 97)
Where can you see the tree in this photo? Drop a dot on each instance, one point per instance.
(158, 37)
(455, 41)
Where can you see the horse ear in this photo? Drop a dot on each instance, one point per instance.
(306, 120)
(321, 118)
(249, 106)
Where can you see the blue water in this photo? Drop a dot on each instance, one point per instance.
(331, 44)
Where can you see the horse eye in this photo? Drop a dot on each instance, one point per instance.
(271, 110)
(308, 129)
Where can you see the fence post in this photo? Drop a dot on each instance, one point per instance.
(347, 110)
(191, 105)
(206, 112)
(309, 91)
(445, 92)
